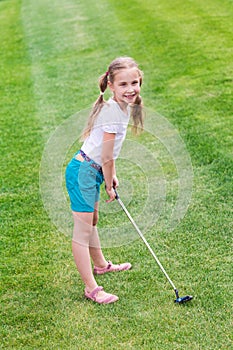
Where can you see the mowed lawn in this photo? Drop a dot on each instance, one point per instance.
(51, 55)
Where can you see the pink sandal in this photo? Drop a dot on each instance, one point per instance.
(111, 268)
(107, 299)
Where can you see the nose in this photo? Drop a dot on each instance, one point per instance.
(130, 89)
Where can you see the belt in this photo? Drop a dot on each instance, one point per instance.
(89, 160)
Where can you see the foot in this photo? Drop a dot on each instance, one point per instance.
(100, 296)
(112, 268)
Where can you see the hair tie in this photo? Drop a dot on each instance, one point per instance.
(107, 73)
(101, 93)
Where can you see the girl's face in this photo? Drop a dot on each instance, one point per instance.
(126, 86)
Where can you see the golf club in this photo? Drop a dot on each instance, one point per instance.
(178, 299)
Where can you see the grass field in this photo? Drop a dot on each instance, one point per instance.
(51, 55)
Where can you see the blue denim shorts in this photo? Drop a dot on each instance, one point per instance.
(83, 185)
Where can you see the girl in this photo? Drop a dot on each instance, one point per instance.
(95, 163)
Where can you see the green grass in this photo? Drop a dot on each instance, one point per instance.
(51, 56)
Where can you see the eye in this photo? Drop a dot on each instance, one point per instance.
(135, 82)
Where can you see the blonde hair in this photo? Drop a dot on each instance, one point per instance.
(136, 110)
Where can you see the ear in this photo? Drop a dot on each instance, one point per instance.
(110, 85)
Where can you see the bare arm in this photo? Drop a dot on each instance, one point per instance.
(108, 165)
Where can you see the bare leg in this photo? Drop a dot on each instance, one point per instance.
(84, 234)
(80, 246)
(96, 251)
(94, 245)
(83, 231)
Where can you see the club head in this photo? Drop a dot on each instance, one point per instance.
(181, 300)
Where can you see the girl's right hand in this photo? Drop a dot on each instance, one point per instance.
(111, 193)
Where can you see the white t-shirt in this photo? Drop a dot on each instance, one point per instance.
(113, 120)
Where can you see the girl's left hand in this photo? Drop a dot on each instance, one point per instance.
(112, 195)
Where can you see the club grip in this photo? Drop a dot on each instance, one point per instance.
(117, 196)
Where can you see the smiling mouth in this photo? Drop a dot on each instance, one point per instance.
(130, 96)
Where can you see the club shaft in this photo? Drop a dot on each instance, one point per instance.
(145, 241)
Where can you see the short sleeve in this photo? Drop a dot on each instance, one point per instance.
(111, 129)
(109, 119)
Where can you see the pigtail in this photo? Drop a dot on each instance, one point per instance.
(137, 115)
(103, 84)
